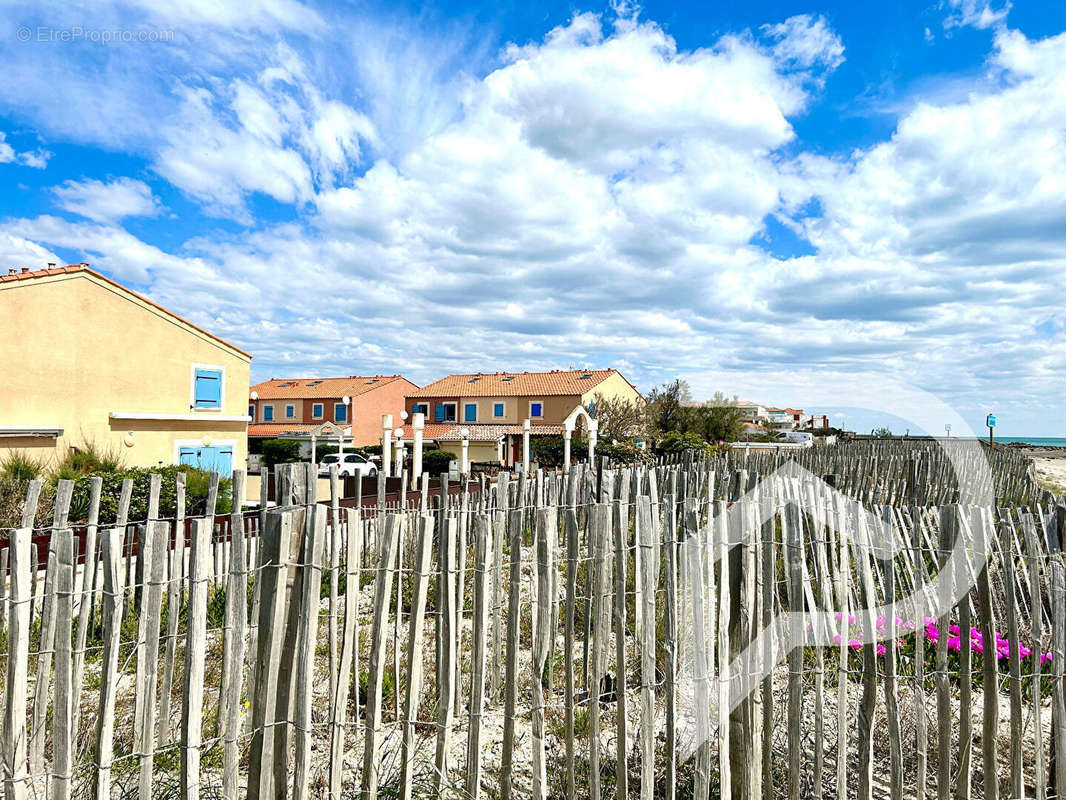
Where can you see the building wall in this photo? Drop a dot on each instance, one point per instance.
(368, 407)
(516, 409)
(80, 348)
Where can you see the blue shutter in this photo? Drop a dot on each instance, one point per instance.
(268, 413)
(497, 410)
(438, 412)
(340, 412)
(188, 456)
(207, 393)
(470, 412)
(536, 410)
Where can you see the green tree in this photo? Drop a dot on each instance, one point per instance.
(618, 418)
(666, 409)
(715, 423)
(281, 451)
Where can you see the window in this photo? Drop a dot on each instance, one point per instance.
(206, 387)
(340, 412)
(420, 408)
(316, 411)
(251, 412)
(268, 413)
(497, 410)
(444, 412)
(536, 409)
(290, 412)
(470, 412)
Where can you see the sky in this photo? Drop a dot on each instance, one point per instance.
(748, 196)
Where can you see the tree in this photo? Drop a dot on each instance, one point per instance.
(665, 409)
(281, 451)
(618, 418)
(881, 433)
(716, 423)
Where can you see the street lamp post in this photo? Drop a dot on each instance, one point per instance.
(386, 440)
(398, 463)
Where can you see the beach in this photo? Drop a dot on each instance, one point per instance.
(1050, 465)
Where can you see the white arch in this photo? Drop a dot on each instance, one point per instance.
(571, 421)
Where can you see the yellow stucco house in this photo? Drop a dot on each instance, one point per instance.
(88, 361)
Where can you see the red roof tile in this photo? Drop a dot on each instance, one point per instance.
(516, 384)
(302, 388)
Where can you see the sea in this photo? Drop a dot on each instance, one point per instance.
(1036, 441)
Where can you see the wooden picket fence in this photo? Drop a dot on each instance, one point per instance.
(586, 633)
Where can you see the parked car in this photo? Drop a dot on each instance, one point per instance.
(796, 437)
(353, 464)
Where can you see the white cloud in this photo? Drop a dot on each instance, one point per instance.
(278, 136)
(37, 158)
(806, 41)
(17, 252)
(980, 14)
(109, 201)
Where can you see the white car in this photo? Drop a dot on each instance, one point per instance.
(796, 437)
(353, 464)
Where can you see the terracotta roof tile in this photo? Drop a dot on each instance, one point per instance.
(277, 428)
(516, 384)
(29, 274)
(307, 388)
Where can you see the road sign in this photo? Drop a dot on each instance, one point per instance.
(990, 421)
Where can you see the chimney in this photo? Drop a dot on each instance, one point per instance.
(51, 265)
(25, 269)
(12, 271)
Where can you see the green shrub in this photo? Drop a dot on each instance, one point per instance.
(436, 461)
(88, 458)
(196, 485)
(281, 451)
(676, 442)
(20, 468)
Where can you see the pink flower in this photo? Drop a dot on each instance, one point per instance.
(881, 650)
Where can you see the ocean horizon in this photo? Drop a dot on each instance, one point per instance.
(1036, 441)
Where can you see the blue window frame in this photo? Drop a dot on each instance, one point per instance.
(268, 413)
(290, 411)
(470, 412)
(444, 412)
(207, 388)
(536, 410)
(340, 412)
(251, 412)
(497, 410)
(316, 410)
(420, 408)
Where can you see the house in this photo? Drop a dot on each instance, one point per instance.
(297, 407)
(784, 419)
(88, 361)
(493, 406)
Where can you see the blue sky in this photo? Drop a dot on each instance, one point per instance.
(735, 195)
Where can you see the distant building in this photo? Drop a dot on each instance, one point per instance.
(295, 407)
(784, 419)
(89, 362)
(493, 406)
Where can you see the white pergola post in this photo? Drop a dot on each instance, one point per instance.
(464, 463)
(499, 449)
(314, 448)
(566, 449)
(386, 445)
(593, 426)
(418, 424)
(525, 446)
